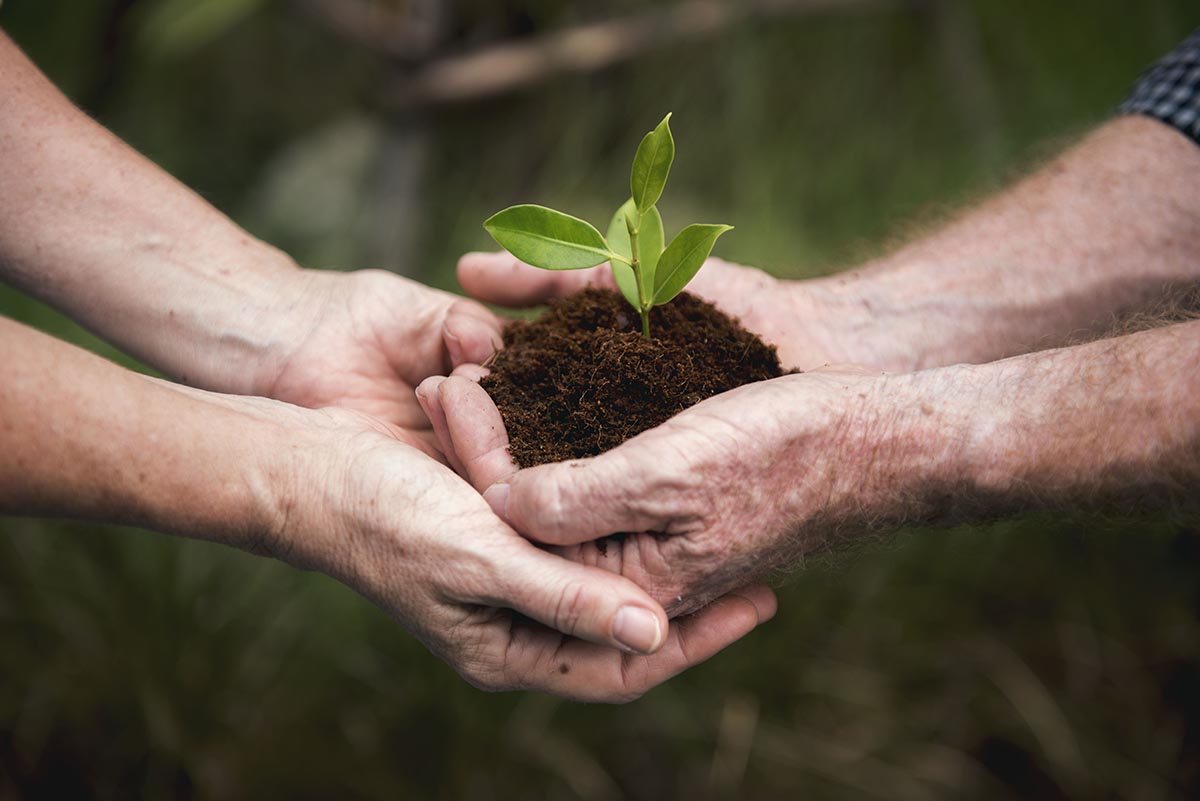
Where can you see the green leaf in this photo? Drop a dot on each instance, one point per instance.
(547, 238)
(683, 258)
(650, 247)
(652, 165)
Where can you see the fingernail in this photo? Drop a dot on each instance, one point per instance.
(497, 498)
(637, 629)
(429, 385)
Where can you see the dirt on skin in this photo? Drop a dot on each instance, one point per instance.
(581, 379)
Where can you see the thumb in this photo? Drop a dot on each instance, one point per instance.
(586, 602)
(573, 502)
(503, 279)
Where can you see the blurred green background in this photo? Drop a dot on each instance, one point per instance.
(1044, 657)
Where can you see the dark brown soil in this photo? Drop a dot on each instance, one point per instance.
(581, 379)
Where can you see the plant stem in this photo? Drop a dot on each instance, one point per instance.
(643, 305)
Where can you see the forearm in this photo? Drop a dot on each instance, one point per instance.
(83, 438)
(1113, 423)
(1107, 228)
(94, 229)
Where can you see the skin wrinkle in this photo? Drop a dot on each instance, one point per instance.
(1061, 251)
(572, 605)
(1102, 230)
(115, 243)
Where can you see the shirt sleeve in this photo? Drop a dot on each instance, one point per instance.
(1170, 90)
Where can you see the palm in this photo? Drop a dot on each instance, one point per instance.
(371, 337)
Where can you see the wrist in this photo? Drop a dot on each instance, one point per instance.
(1110, 422)
(899, 314)
(971, 439)
(232, 475)
(240, 338)
(902, 447)
(855, 317)
(221, 310)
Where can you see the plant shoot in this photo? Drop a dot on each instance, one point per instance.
(647, 272)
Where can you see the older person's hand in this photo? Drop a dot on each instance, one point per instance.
(714, 498)
(755, 478)
(791, 315)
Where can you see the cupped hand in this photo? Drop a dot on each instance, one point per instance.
(713, 499)
(364, 340)
(402, 529)
(781, 312)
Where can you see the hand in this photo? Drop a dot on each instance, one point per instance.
(418, 541)
(340, 492)
(364, 340)
(718, 496)
(786, 314)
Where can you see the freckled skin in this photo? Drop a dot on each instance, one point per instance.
(111, 240)
(757, 478)
(339, 492)
(354, 489)
(1104, 230)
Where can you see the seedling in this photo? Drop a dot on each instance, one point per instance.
(647, 274)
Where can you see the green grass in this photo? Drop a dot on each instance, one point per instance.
(1051, 657)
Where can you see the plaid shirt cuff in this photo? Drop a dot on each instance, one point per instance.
(1170, 90)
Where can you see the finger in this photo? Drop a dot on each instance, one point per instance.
(572, 502)
(763, 598)
(503, 279)
(427, 396)
(471, 334)
(475, 431)
(471, 372)
(586, 672)
(585, 602)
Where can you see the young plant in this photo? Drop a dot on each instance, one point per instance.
(647, 274)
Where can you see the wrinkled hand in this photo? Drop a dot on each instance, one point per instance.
(718, 496)
(407, 533)
(364, 340)
(783, 313)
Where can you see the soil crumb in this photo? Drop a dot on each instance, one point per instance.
(581, 379)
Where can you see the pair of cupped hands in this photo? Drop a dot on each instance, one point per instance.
(412, 499)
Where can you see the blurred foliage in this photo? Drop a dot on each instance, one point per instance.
(1048, 657)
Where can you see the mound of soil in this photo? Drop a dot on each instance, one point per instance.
(581, 379)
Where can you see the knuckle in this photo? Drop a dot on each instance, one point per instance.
(475, 575)
(634, 682)
(549, 504)
(632, 692)
(571, 607)
(479, 659)
(484, 677)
